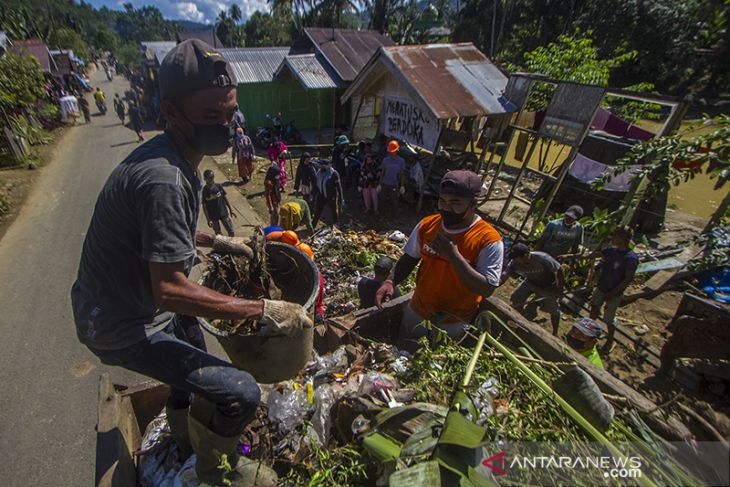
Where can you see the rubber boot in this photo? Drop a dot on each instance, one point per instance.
(178, 421)
(211, 466)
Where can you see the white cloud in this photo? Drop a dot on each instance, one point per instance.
(196, 10)
(189, 11)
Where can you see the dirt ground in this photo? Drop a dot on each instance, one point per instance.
(17, 182)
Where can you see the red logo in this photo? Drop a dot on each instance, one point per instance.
(498, 460)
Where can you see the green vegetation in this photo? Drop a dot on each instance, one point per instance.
(21, 82)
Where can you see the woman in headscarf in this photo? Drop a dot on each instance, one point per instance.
(272, 193)
(277, 154)
(369, 180)
(244, 154)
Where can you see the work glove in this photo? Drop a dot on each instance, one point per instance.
(233, 245)
(283, 318)
(359, 189)
(402, 190)
(384, 293)
(379, 188)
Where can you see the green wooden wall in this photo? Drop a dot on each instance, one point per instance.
(289, 98)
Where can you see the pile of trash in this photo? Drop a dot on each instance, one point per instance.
(343, 257)
(371, 412)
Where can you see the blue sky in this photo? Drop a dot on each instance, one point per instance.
(196, 10)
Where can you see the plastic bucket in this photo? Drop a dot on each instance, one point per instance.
(274, 359)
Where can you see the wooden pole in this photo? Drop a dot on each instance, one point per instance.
(357, 115)
(554, 191)
(430, 170)
(513, 190)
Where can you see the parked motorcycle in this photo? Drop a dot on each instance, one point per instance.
(289, 133)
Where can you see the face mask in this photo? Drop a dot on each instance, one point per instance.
(450, 218)
(211, 140)
(574, 343)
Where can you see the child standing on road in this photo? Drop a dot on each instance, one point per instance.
(216, 207)
(272, 192)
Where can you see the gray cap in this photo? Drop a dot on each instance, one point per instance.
(575, 212)
(588, 327)
(192, 66)
(519, 250)
(383, 264)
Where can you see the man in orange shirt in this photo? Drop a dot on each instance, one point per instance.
(461, 262)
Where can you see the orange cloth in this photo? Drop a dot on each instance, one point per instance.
(438, 288)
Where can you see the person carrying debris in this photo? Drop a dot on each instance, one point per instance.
(543, 277)
(460, 258)
(392, 178)
(329, 192)
(132, 288)
(272, 193)
(619, 267)
(293, 213)
(564, 235)
(367, 288)
(582, 338)
(216, 207)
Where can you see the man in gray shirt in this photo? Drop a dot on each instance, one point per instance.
(133, 303)
(543, 277)
(564, 235)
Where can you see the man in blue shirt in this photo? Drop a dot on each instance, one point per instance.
(564, 235)
(619, 267)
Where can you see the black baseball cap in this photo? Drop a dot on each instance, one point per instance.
(519, 250)
(462, 183)
(574, 212)
(383, 264)
(207, 174)
(191, 66)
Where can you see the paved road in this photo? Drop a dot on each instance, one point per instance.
(49, 380)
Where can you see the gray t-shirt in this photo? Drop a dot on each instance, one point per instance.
(146, 212)
(541, 270)
(559, 239)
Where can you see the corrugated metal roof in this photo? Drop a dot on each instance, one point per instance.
(35, 48)
(451, 79)
(254, 64)
(204, 35)
(157, 50)
(347, 50)
(310, 71)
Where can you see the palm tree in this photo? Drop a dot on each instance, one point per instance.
(235, 13)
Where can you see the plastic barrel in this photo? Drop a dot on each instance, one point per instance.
(274, 359)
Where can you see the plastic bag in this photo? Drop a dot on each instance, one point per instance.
(287, 409)
(324, 398)
(483, 399)
(372, 382)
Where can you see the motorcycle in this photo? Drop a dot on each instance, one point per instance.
(101, 105)
(289, 133)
